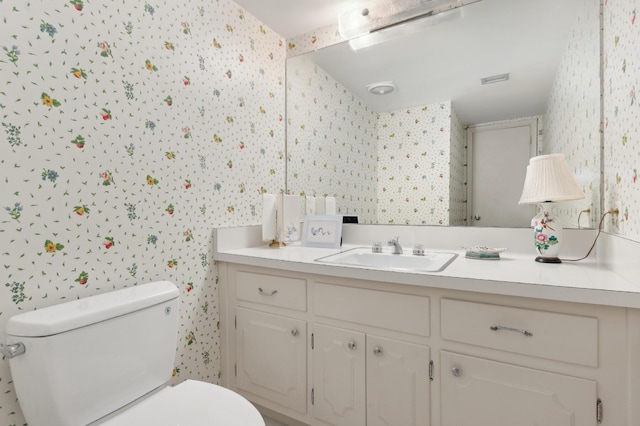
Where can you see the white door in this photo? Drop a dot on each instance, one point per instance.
(339, 376)
(398, 383)
(497, 164)
(272, 357)
(479, 392)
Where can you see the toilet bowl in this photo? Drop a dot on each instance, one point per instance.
(105, 360)
(191, 403)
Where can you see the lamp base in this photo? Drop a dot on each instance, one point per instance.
(277, 244)
(548, 259)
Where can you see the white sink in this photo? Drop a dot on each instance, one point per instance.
(435, 261)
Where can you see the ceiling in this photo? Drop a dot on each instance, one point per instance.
(290, 18)
(444, 57)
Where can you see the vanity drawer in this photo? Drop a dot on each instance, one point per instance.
(392, 311)
(273, 290)
(550, 335)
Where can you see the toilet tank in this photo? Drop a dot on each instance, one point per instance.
(87, 358)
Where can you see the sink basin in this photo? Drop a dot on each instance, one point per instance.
(435, 261)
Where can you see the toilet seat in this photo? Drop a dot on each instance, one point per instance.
(191, 403)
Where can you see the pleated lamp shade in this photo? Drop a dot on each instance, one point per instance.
(549, 179)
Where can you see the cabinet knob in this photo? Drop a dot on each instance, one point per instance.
(456, 372)
(377, 351)
(351, 345)
(294, 332)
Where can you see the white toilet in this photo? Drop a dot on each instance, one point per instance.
(104, 360)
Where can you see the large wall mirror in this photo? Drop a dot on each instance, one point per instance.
(404, 157)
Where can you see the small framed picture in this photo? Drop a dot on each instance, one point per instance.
(322, 231)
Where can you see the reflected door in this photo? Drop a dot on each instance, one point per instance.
(498, 159)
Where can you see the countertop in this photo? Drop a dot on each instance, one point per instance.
(514, 274)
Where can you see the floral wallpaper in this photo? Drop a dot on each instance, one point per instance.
(572, 124)
(416, 155)
(129, 130)
(332, 141)
(621, 116)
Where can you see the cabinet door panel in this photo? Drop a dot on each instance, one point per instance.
(480, 392)
(339, 376)
(272, 359)
(398, 384)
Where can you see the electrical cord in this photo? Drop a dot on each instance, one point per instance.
(613, 211)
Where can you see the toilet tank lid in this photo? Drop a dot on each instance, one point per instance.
(90, 310)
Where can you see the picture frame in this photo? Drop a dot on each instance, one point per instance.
(322, 231)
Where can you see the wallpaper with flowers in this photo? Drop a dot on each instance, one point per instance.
(332, 141)
(129, 130)
(622, 115)
(572, 117)
(416, 157)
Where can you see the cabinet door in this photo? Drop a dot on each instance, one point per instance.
(272, 357)
(398, 384)
(479, 392)
(339, 376)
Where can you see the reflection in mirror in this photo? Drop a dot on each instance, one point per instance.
(402, 157)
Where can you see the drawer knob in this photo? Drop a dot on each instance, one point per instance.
(377, 351)
(351, 345)
(456, 372)
(294, 332)
(515, 330)
(265, 293)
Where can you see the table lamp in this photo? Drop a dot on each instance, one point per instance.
(547, 182)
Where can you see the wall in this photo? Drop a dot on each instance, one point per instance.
(130, 130)
(332, 134)
(621, 116)
(572, 118)
(415, 161)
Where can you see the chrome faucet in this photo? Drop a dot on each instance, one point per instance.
(397, 248)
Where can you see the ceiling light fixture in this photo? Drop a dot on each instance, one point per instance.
(495, 78)
(382, 14)
(383, 88)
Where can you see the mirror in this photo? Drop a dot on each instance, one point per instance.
(402, 157)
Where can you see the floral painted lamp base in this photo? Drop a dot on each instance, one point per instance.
(547, 234)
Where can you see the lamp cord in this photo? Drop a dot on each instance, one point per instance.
(614, 211)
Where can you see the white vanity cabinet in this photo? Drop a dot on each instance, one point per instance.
(272, 357)
(369, 380)
(383, 379)
(339, 371)
(324, 350)
(270, 335)
(481, 392)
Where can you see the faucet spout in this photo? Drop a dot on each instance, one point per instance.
(397, 248)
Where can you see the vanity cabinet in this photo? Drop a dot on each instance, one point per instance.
(270, 335)
(481, 392)
(272, 358)
(324, 350)
(369, 380)
(385, 379)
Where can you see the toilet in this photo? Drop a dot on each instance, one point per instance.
(105, 360)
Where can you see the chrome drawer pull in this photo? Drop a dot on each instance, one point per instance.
(264, 293)
(352, 345)
(377, 351)
(515, 330)
(294, 332)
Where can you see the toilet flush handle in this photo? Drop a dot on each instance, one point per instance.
(11, 351)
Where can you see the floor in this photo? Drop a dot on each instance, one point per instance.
(270, 422)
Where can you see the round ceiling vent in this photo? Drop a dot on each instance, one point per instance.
(383, 88)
